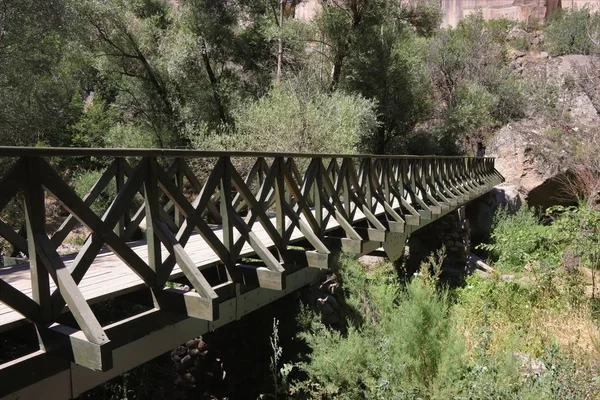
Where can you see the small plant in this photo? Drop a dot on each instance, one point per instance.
(279, 375)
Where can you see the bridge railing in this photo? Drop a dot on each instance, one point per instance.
(280, 210)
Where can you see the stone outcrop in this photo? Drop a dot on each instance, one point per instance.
(307, 9)
(196, 365)
(480, 213)
(517, 10)
(451, 231)
(455, 10)
(326, 295)
(535, 154)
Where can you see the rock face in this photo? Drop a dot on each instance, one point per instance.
(307, 9)
(518, 10)
(451, 231)
(533, 154)
(455, 10)
(480, 213)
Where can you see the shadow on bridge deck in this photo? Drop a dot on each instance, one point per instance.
(239, 242)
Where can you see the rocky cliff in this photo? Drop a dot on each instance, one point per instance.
(539, 153)
(518, 10)
(455, 10)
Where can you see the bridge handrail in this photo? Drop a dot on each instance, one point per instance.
(18, 151)
(305, 206)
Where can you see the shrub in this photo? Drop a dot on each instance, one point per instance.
(85, 180)
(469, 68)
(519, 240)
(409, 344)
(472, 108)
(572, 32)
(406, 346)
(296, 118)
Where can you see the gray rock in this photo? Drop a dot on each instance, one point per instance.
(530, 366)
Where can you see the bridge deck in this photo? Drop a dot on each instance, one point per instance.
(358, 203)
(109, 277)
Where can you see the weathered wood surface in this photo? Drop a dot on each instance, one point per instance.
(289, 212)
(109, 277)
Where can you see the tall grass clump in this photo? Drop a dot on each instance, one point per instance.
(406, 345)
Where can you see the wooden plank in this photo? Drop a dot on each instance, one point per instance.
(69, 291)
(92, 194)
(19, 302)
(152, 214)
(33, 369)
(190, 304)
(18, 241)
(72, 344)
(197, 280)
(262, 251)
(255, 207)
(120, 183)
(254, 275)
(12, 182)
(311, 258)
(193, 219)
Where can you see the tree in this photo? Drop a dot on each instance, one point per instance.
(474, 85)
(36, 82)
(374, 52)
(124, 39)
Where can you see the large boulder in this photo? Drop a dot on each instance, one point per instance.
(480, 213)
(536, 154)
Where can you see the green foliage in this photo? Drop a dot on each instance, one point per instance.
(83, 181)
(296, 118)
(468, 65)
(472, 109)
(571, 240)
(36, 83)
(424, 15)
(580, 228)
(92, 127)
(519, 240)
(406, 346)
(375, 52)
(572, 32)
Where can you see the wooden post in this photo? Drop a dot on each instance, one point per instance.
(226, 217)
(179, 182)
(152, 213)
(35, 222)
(120, 181)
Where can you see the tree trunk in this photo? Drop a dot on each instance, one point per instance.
(381, 140)
(337, 69)
(214, 83)
(280, 50)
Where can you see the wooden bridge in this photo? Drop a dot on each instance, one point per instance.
(241, 229)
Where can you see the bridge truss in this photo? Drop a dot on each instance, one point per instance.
(241, 229)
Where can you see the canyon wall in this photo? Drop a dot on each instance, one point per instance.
(518, 10)
(455, 10)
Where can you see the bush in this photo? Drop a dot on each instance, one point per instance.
(572, 32)
(296, 118)
(469, 67)
(472, 109)
(519, 240)
(407, 347)
(85, 180)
